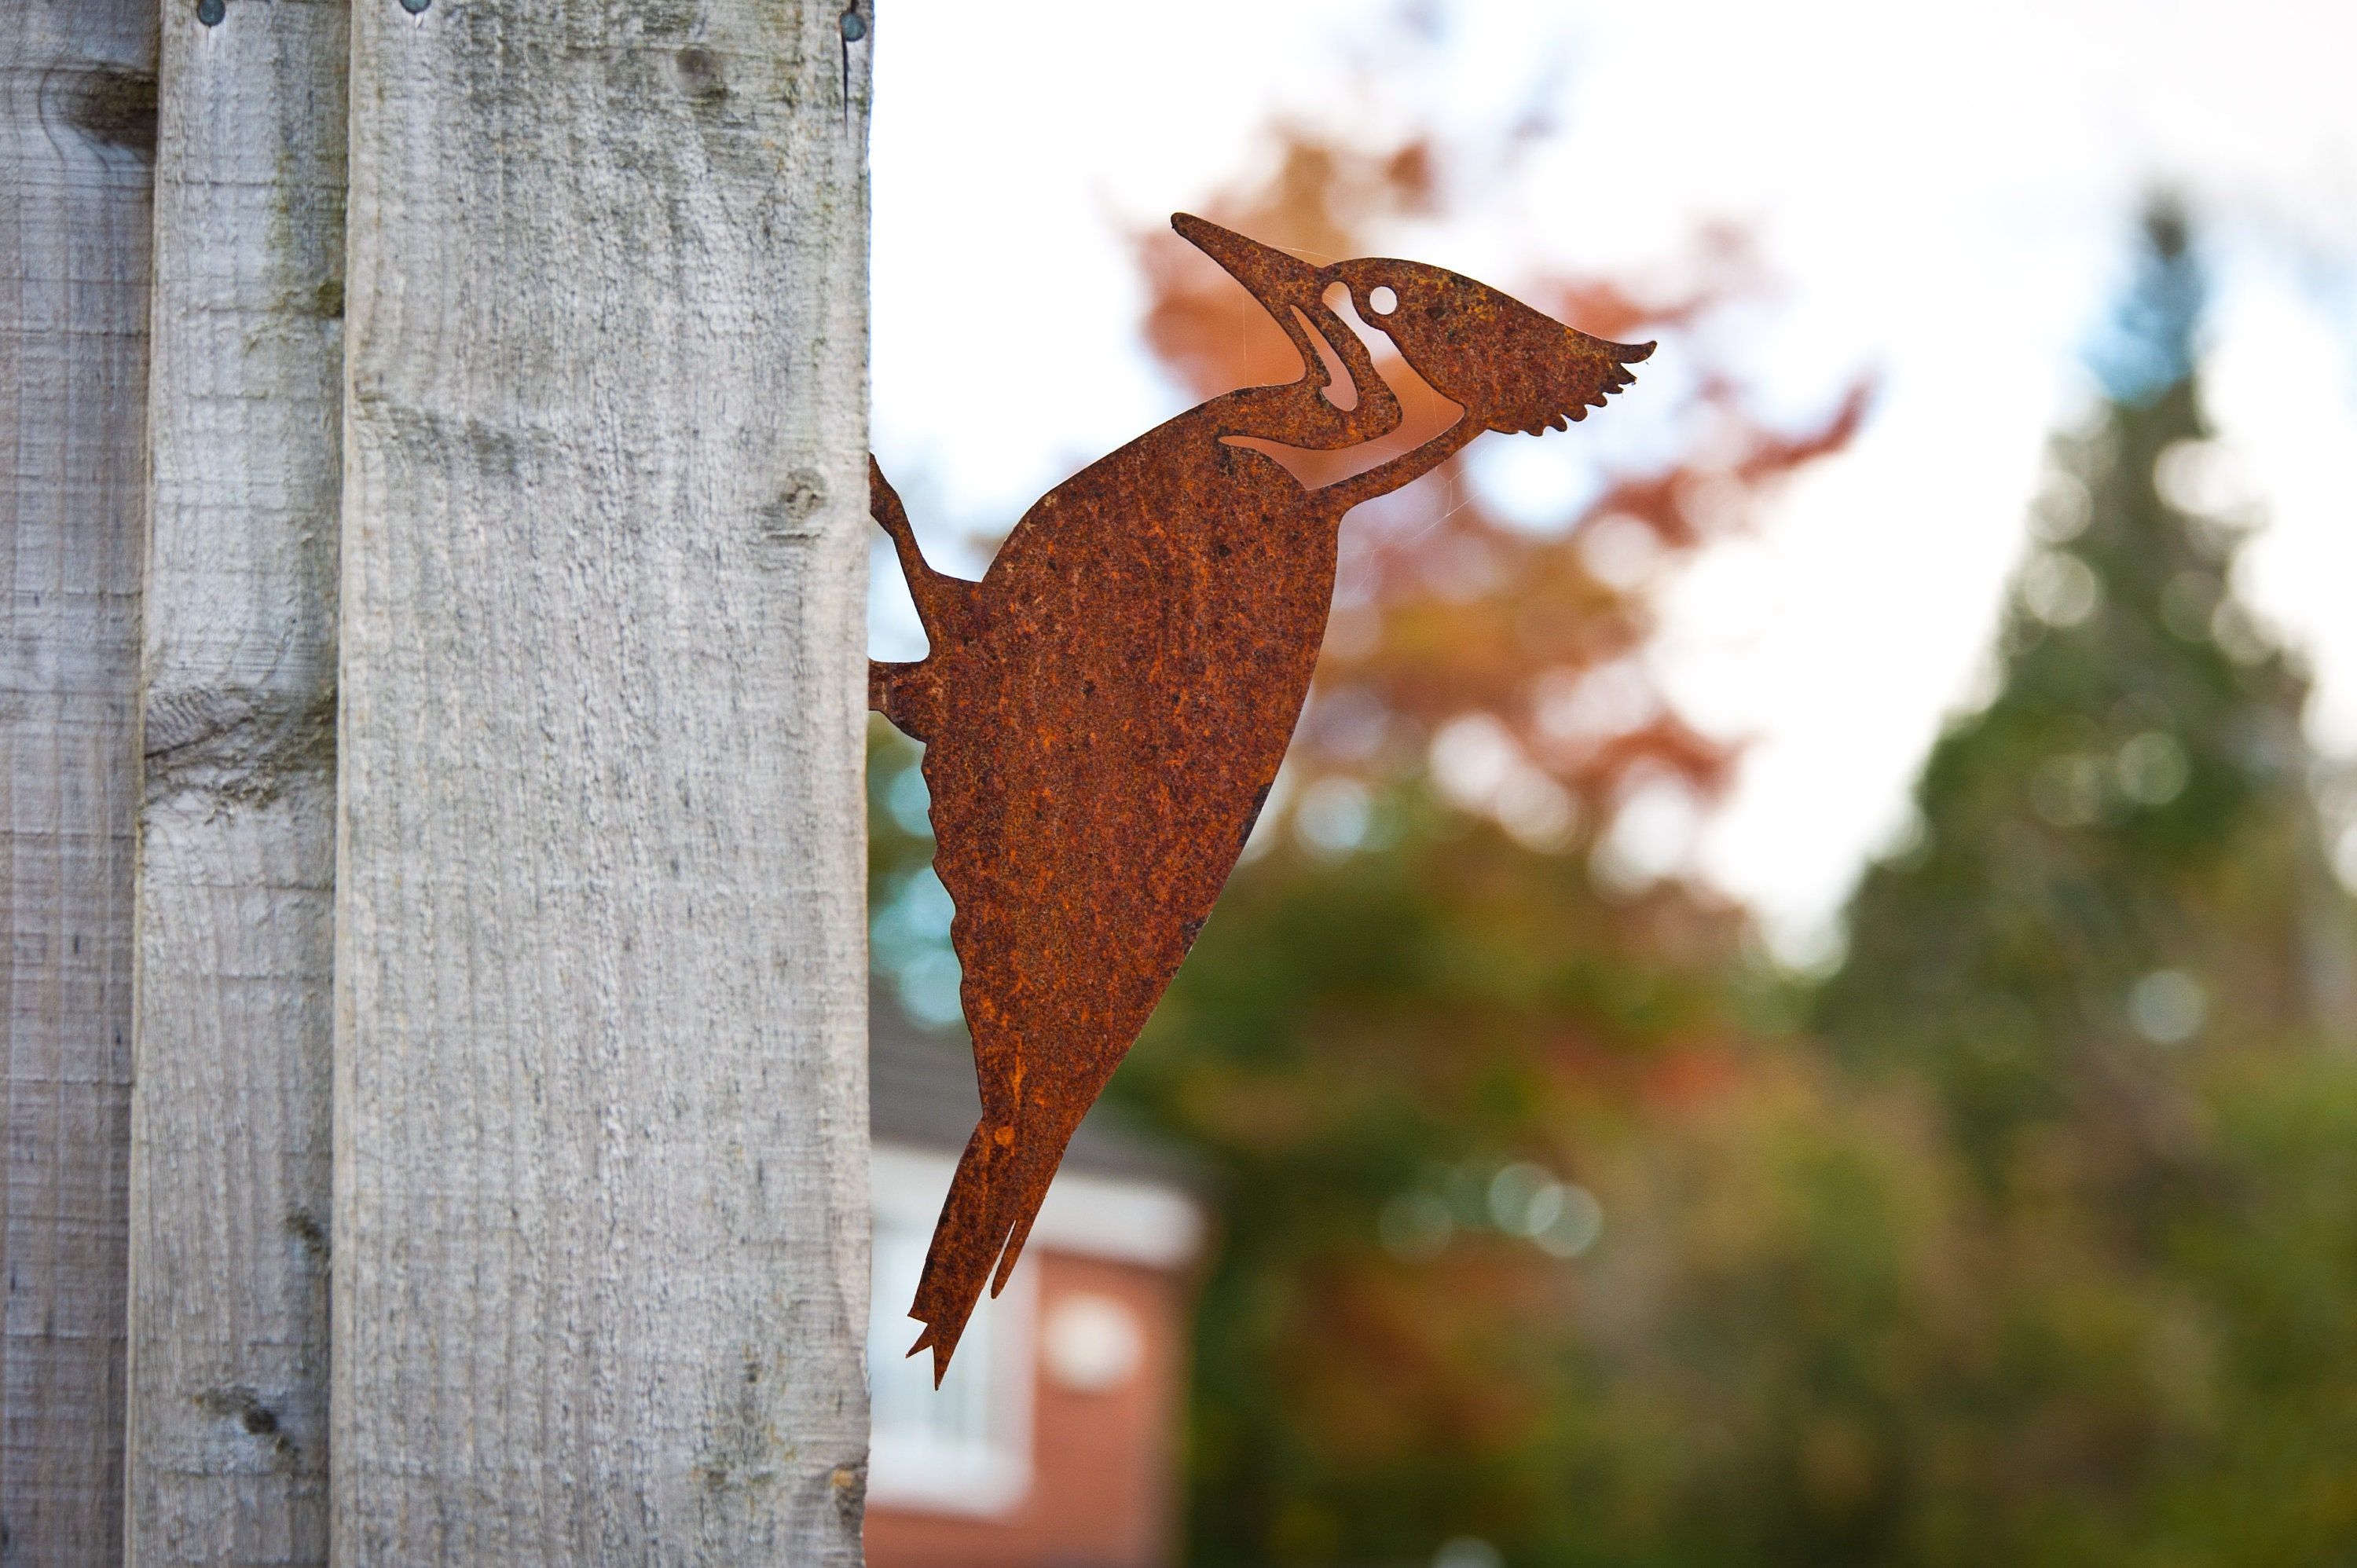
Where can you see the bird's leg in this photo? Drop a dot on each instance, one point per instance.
(910, 694)
(944, 604)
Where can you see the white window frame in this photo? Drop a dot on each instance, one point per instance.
(917, 1465)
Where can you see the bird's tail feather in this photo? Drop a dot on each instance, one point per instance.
(987, 1217)
(960, 1259)
(1030, 1190)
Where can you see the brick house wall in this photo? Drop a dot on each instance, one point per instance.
(1053, 1443)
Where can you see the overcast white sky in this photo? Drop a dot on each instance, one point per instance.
(1945, 193)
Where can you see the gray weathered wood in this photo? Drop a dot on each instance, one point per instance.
(77, 131)
(231, 1180)
(600, 1228)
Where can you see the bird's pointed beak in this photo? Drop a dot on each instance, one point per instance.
(1275, 279)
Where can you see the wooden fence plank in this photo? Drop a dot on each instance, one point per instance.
(77, 134)
(600, 1233)
(230, 1178)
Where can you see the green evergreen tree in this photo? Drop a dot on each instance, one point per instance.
(2102, 1314)
(2120, 855)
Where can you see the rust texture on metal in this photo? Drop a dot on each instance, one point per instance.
(1103, 713)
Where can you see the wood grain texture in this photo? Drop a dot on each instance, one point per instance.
(230, 1149)
(601, 1271)
(77, 131)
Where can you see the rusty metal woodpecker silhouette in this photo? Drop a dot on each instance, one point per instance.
(1105, 712)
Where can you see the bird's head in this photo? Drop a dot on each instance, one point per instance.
(1509, 366)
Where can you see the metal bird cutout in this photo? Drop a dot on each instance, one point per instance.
(1103, 713)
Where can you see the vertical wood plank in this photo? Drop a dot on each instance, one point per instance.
(600, 1278)
(77, 134)
(230, 1178)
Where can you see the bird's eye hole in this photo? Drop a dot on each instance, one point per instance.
(1382, 300)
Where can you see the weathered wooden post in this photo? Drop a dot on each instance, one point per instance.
(568, 824)
(230, 1192)
(77, 127)
(599, 1229)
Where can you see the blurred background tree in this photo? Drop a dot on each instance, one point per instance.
(1546, 1228)
(2110, 943)
(2121, 852)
